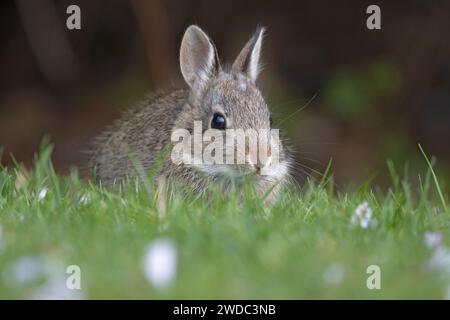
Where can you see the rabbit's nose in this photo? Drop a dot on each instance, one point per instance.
(265, 158)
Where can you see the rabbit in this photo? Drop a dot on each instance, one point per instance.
(221, 97)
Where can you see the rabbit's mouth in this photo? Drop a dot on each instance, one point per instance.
(269, 172)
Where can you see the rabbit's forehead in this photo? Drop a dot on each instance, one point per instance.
(239, 97)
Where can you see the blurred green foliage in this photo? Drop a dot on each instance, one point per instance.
(350, 93)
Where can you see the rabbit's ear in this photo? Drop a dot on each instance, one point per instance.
(198, 57)
(248, 60)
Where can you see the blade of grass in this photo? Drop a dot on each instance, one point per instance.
(325, 177)
(436, 182)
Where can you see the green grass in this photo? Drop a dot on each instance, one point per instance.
(226, 248)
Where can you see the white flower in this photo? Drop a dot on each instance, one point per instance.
(363, 216)
(160, 262)
(55, 286)
(333, 274)
(42, 193)
(27, 269)
(55, 289)
(440, 260)
(433, 239)
(85, 199)
(47, 276)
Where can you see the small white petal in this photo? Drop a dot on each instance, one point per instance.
(160, 263)
(364, 223)
(363, 215)
(440, 260)
(433, 239)
(42, 194)
(334, 274)
(85, 199)
(27, 269)
(360, 209)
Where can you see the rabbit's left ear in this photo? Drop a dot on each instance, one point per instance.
(248, 59)
(199, 61)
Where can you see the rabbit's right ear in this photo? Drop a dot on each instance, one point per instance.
(198, 57)
(248, 59)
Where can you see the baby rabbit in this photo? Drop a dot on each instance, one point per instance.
(220, 98)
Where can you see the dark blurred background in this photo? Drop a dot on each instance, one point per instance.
(373, 95)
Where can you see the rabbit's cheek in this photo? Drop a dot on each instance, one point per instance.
(275, 171)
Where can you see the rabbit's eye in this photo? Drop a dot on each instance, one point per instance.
(218, 122)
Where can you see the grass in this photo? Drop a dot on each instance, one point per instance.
(302, 247)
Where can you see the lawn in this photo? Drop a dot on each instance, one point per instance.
(317, 241)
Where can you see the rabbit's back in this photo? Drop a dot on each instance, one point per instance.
(141, 133)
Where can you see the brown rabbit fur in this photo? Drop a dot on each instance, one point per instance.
(145, 131)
